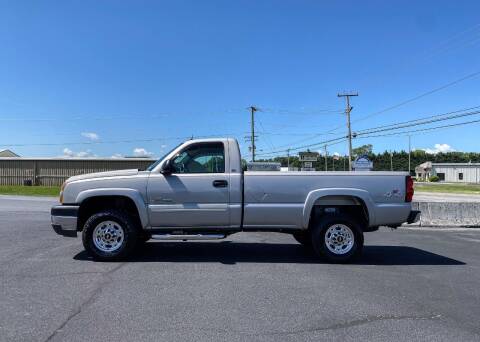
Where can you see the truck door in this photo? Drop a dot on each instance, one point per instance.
(196, 193)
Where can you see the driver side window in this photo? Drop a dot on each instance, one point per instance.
(200, 158)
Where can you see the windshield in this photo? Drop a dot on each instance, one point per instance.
(154, 165)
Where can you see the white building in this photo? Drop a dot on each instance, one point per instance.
(450, 172)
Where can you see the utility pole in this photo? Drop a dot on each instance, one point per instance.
(391, 160)
(288, 160)
(326, 163)
(347, 111)
(252, 125)
(409, 155)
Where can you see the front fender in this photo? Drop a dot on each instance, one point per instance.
(133, 194)
(314, 195)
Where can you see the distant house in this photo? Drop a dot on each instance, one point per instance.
(449, 172)
(8, 154)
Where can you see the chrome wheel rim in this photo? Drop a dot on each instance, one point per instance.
(339, 239)
(108, 236)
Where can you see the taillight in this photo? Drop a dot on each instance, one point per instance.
(408, 189)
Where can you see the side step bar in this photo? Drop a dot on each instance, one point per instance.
(185, 237)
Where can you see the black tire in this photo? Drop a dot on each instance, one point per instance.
(127, 245)
(144, 237)
(319, 236)
(304, 238)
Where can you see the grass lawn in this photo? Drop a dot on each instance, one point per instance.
(448, 188)
(29, 190)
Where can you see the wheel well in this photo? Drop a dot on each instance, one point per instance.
(352, 206)
(96, 204)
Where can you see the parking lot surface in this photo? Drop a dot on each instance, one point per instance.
(410, 284)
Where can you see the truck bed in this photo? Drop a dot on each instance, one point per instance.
(280, 198)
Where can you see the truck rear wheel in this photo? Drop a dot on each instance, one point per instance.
(337, 238)
(110, 235)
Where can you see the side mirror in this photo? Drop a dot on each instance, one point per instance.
(167, 167)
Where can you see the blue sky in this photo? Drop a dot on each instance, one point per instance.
(131, 77)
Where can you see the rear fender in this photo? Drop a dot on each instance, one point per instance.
(339, 195)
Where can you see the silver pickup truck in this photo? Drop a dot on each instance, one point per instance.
(199, 191)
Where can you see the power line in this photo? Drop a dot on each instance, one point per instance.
(419, 96)
(419, 123)
(115, 117)
(340, 140)
(297, 134)
(411, 99)
(112, 141)
(302, 111)
(404, 124)
(80, 118)
(421, 129)
(419, 120)
(321, 143)
(451, 42)
(267, 138)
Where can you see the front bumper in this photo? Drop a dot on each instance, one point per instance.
(64, 219)
(414, 216)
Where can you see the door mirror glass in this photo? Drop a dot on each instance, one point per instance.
(167, 167)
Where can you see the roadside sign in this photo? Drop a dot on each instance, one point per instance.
(308, 156)
(362, 163)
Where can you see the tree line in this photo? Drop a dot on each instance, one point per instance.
(398, 161)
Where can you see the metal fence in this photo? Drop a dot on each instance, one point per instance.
(54, 171)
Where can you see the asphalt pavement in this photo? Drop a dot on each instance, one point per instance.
(410, 285)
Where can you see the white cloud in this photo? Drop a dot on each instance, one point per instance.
(141, 152)
(67, 152)
(82, 154)
(90, 135)
(116, 156)
(336, 154)
(439, 148)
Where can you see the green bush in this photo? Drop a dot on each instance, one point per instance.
(434, 179)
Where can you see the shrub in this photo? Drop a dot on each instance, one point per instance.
(434, 179)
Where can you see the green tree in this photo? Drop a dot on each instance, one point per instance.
(364, 149)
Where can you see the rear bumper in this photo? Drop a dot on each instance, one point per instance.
(414, 216)
(64, 219)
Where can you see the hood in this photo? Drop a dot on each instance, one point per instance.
(117, 173)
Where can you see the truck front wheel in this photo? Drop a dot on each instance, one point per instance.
(337, 238)
(110, 235)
